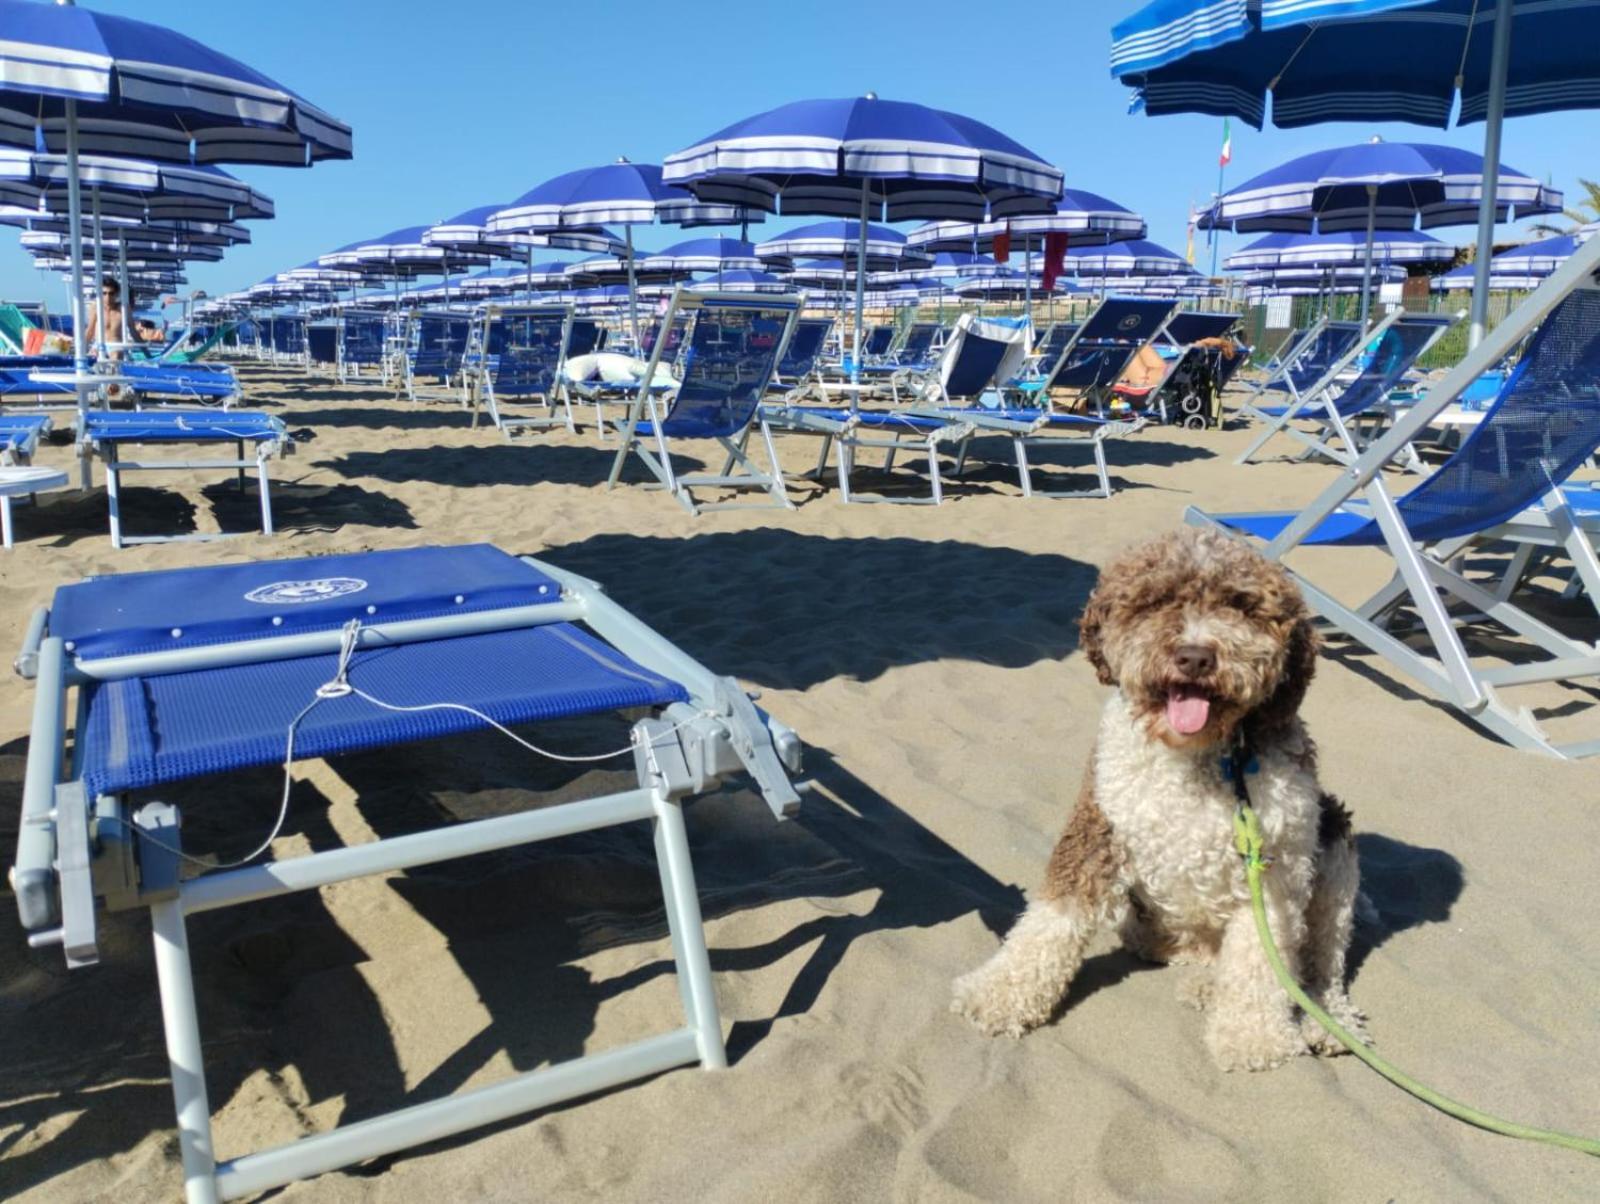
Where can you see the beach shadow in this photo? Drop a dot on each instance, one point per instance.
(301, 507)
(67, 516)
(86, 1044)
(528, 462)
(1408, 886)
(741, 600)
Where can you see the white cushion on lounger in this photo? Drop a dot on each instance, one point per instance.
(610, 368)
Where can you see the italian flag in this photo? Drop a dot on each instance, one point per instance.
(1227, 144)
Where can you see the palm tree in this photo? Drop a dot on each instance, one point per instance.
(1586, 211)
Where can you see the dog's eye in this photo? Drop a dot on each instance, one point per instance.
(1242, 602)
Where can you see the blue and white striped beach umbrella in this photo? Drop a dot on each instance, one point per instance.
(73, 80)
(469, 230)
(1516, 267)
(886, 249)
(1086, 218)
(1367, 60)
(1377, 185)
(1333, 250)
(946, 265)
(867, 158)
(42, 242)
(1133, 257)
(706, 255)
(607, 270)
(743, 280)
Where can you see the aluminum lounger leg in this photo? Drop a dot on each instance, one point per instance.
(184, 1055)
(1024, 469)
(776, 486)
(933, 471)
(113, 494)
(688, 933)
(238, 445)
(5, 522)
(262, 455)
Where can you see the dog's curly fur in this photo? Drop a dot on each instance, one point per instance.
(1149, 849)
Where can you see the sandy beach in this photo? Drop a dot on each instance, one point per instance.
(927, 656)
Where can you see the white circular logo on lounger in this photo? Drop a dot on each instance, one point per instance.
(1129, 322)
(291, 593)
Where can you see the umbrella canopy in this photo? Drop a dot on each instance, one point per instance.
(945, 264)
(1324, 280)
(1133, 257)
(1007, 285)
(606, 270)
(1465, 277)
(401, 254)
(165, 249)
(1085, 217)
(820, 273)
(866, 157)
(706, 255)
(742, 280)
(131, 88)
(140, 189)
(1332, 250)
(1516, 267)
(469, 230)
(833, 157)
(1415, 57)
(885, 249)
(1384, 185)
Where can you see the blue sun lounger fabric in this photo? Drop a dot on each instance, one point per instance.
(203, 673)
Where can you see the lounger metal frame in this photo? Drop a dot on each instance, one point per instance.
(72, 849)
(110, 454)
(1426, 580)
(482, 380)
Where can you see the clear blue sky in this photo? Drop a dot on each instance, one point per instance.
(463, 104)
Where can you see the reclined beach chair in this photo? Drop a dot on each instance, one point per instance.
(107, 432)
(1543, 426)
(204, 672)
(439, 348)
(1392, 348)
(1094, 356)
(1180, 394)
(732, 346)
(525, 352)
(194, 344)
(322, 344)
(1319, 354)
(798, 366)
(361, 342)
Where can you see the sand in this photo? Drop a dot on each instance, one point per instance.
(927, 656)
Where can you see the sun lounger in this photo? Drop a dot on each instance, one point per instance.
(1304, 362)
(19, 439)
(439, 348)
(108, 433)
(1180, 394)
(525, 352)
(798, 365)
(203, 673)
(1542, 427)
(1094, 356)
(731, 348)
(361, 342)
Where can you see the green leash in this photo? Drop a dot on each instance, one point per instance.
(1247, 839)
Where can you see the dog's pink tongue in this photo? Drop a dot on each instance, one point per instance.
(1187, 709)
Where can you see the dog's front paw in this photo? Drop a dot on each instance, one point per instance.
(993, 1000)
(1195, 990)
(1323, 1043)
(1233, 1048)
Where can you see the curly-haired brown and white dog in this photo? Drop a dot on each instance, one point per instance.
(1206, 642)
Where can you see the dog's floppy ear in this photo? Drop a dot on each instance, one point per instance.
(1089, 636)
(1299, 664)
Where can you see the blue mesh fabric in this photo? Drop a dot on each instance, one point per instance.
(805, 345)
(194, 380)
(363, 338)
(441, 343)
(323, 344)
(180, 426)
(524, 349)
(878, 340)
(1056, 338)
(669, 351)
(1093, 366)
(584, 337)
(1125, 319)
(19, 432)
(287, 336)
(975, 365)
(1332, 343)
(1395, 354)
(1545, 423)
(144, 732)
(730, 355)
(125, 613)
(919, 342)
(1187, 327)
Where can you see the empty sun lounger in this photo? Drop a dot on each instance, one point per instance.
(109, 433)
(1542, 427)
(1391, 350)
(798, 365)
(19, 439)
(732, 345)
(525, 349)
(202, 673)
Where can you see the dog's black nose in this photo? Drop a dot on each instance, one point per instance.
(1194, 660)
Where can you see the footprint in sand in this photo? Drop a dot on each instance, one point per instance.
(889, 1097)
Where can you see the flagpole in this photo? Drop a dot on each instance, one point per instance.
(1222, 167)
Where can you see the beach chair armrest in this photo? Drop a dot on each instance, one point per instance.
(26, 664)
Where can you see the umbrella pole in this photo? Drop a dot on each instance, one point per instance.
(80, 355)
(1027, 286)
(122, 275)
(530, 271)
(633, 290)
(99, 270)
(1366, 267)
(1494, 120)
(861, 296)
